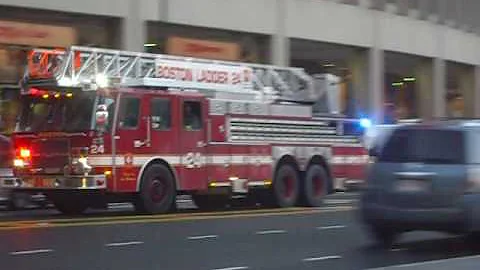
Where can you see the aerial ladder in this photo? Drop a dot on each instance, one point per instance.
(89, 68)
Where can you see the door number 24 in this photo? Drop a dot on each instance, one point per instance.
(97, 149)
(192, 160)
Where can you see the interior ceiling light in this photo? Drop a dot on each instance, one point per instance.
(395, 84)
(149, 44)
(409, 79)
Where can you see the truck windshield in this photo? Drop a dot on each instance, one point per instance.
(62, 113)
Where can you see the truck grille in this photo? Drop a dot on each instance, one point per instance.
(50, 155)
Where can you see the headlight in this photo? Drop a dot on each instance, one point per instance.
(81, 166)
(18, 163)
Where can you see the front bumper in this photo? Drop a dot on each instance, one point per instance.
(55, 182)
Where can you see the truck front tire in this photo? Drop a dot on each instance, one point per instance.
(70, 205)
(157, 191)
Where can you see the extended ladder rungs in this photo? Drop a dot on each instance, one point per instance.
(79, 66)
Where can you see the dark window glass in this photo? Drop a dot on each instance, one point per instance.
(161, 116)
(129, 113)
(57, 113)
(425, 146)
(192, 115)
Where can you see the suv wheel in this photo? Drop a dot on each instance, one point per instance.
(384, 237)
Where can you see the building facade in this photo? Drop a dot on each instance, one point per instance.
(364, 37)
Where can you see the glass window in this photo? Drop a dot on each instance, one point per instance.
(129, 113)
(192, 115)
(160, 112)
(426, 146)
(51, 113)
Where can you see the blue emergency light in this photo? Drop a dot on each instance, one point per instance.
(365, 123)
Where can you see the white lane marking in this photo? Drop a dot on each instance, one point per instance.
(232, 268)
(398, 249)
(427, 262)
(28, 252)
(324, 258)
(120, 205)
(121, 244)
(331, 227)
(271, 232)
(184, 201)
(339, 201)
(202, 237)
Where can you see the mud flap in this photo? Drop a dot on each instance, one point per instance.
(339, 184)
(345, 184)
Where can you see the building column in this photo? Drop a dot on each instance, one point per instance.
(476, 92)
(280, 43)
(425, 100)
(466, 86)
(358, 66)
(134, 32)
(431, 88)
(439, 87)
(376, 70)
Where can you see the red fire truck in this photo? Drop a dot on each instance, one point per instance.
(101, 125)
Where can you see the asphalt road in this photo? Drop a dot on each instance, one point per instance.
(325, 238)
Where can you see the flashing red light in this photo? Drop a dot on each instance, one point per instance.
(34, 91)
(25, 153)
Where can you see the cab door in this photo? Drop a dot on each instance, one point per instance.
(193, 143)
(130, 140)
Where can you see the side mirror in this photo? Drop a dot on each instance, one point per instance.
(101, 118)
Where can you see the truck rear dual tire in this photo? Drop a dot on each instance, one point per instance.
(288, 190)
(315, 186)
(157, 191)
(286, 186)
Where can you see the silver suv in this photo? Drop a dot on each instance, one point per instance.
(425, 177)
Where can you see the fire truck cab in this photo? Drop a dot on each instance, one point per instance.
(102, 125)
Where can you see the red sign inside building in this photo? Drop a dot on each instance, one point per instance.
(203, 48)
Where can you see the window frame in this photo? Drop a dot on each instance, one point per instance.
(169, 113)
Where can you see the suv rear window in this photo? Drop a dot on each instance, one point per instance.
(425, 146)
